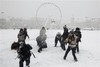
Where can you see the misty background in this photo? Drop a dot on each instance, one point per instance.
(52, 14)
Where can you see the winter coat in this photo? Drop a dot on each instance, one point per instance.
(78, 33)
(21, 36)
(65, 34)
(42, 32)
(58, 35)
(41, 38)
(72, 40)
(25, 34)
(24, 51)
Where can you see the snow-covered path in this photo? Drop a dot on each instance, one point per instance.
(89, 55)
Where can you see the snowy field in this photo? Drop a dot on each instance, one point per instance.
(89, 55)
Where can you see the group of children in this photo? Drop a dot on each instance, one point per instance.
(71, 38)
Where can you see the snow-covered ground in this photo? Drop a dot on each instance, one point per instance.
(89, 55)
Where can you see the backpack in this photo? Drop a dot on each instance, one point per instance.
(15, 46)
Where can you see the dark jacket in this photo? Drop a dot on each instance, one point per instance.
(24, 51)
(26, 34)
(21, 36)
(65, 34)
(58, 35)
(78, 33)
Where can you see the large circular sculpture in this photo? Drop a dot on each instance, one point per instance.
(56, 9)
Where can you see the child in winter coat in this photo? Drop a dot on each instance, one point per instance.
(63, 37)
(41, 39)
(57, 38)
(24, 54)
(21, 36)
(79, 35)
(72, 40)
(25, 33)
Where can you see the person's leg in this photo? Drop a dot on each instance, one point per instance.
(63, 45)
(28, 62)
(77, 47)
(21, 62)
(60, 40)
(56, 41)
(67, 51)
(73, 53)
(40, 49)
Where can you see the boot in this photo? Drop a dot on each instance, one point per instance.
(76, 60)
(27, 66)
(64, 58)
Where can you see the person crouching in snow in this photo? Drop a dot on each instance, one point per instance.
(41, 39)
(57, 38)
(72, 40)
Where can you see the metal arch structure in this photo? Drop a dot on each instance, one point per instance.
(45, 3)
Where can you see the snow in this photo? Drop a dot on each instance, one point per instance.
(89, 55)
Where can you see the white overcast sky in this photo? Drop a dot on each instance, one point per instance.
(69, 8)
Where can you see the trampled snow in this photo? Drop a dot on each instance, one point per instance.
(89, 55)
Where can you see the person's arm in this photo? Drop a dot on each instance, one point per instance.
(27, 35)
